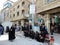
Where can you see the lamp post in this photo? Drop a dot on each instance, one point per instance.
(32, 12)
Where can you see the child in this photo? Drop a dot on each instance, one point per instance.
(51, 40)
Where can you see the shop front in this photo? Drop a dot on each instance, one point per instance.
(55, 18)
(51, 17)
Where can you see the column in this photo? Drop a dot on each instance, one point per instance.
(47, 22)
(17, 22)
(22, 22)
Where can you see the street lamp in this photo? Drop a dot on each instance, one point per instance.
(32, 12)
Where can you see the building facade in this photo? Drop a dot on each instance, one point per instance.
(48, 9)
(5, 11)
(1, 17)
(19, 12)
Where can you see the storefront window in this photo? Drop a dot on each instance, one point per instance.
(41, 20)
(56, 19)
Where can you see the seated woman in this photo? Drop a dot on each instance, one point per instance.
(37, 36)
(41, 37)
(32, 34)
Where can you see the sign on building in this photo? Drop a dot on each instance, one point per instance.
(32, 9)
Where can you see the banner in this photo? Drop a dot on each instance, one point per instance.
(32, 9)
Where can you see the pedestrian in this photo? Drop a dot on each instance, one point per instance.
(26, 29)
(44, 29)
(52, 27)
(22, 28)
(59, 28)
(52, 40)
(12, 33)
(41, 38)
(30, 26)
(32, 34)
(26, 26)
(7, 29)
(16, 27)
(1, 30)
(37, 36)
(44, 32)
(52, 30)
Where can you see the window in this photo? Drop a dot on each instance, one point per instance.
(50, 1)
(18, 13)
(18, 6)
(23, 12)
(23, 3)
(13, 15)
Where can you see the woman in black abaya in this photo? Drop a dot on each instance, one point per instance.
(12, 33)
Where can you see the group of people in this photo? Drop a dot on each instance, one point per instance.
(11, 32)
(28, 32)
(39, 36)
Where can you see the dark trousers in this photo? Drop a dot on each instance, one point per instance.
(52, 32)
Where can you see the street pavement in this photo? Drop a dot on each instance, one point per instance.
(21, 40)
(57, 39)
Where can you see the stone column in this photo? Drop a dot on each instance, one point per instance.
(17, 22)
(47, 22)
(22, 22)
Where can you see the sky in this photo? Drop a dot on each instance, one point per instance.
(2, 2)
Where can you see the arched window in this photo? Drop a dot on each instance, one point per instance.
(23, 12)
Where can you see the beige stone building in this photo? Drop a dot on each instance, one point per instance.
(19, 12)
(48, 9)
(45, 9)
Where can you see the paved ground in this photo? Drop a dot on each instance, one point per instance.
(21, 40)
(57, 39)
